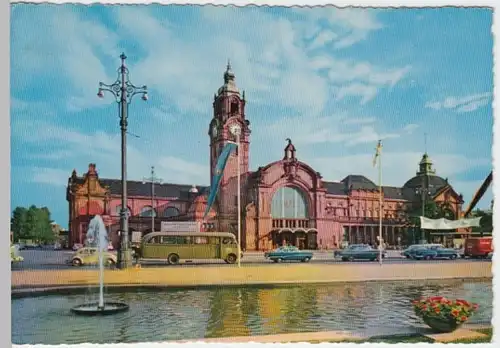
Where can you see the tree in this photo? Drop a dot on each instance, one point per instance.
(32, 223)
(486, 222)
(18, 223)
(432, 211)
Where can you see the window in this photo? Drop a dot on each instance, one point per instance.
(227, 240)
(147, 211)
(154, 240)
(184, 240)
(201, 240)
(214, 240)
(170, 212)
(168, 240)
(234, 107)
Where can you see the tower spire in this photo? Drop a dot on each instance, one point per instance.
(425, 142)
(228, 75)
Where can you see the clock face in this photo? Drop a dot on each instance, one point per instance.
(214, 131)
(235, 129)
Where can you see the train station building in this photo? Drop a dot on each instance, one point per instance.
(286, 201)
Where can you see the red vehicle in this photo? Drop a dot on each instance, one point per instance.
(478, 247)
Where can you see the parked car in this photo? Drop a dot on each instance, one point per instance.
(356, 247)
(289, 253)
(426, 253)
(90, 256)
(477, 247)
(359, 252)
(14, 254)
(77, 246)
(407, 252)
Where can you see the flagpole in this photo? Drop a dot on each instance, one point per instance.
(380, 203)
(239, 197)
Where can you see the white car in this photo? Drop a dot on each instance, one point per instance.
(77, 246)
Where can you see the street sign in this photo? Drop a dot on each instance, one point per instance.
(180, 226)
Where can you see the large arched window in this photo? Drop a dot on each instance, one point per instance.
(289, 203)
(119, 208)
(170, 212)
(147, 211)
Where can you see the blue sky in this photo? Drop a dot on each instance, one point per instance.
(334, 81)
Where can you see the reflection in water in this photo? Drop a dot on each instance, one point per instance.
(223, 312)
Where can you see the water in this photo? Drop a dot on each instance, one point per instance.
(223, 312)
(98, 235)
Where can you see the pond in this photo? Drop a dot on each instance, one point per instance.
(161, 315)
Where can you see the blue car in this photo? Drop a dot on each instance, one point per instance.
(426, 253)
(289, 253)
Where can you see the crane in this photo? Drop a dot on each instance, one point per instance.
(479, 194)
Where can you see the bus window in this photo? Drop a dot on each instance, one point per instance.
(184, 240)
(227, 240)
(201, 240)
(154, 240)
(214, 240)
(168, 240)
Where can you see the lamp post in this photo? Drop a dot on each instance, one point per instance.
(422, 191)
(153, 180)
(236, 131)
(123, 91)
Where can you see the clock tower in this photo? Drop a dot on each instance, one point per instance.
(228, 114)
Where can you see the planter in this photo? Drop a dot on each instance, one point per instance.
(441, 325)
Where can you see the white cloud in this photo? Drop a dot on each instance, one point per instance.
(357, 120)
(324, 37)
(354, 24)
(461, 104)
(331, 129)
(366, 92)
(409, 128)
(70, 49)
(104, 150)
(50, 176)
(473, 105)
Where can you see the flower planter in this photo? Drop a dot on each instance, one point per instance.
(441, 325)
(443, 315)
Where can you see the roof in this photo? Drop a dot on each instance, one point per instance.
(360, 182)
(434, 181)
(189, 234)
(138, 188)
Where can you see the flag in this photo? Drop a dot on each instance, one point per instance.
(219, 171)
(377, 152)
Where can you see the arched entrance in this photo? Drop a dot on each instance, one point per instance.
(289, 211)
(289, 203)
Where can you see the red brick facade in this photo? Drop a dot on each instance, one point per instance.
(286, 201)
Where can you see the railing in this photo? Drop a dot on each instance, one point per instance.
(291, 223)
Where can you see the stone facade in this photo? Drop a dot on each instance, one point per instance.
(285, 201)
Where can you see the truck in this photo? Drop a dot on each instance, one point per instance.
(478, 247)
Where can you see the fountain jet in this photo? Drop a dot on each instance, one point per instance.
(97, 236)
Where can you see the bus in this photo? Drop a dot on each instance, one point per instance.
(177, 246)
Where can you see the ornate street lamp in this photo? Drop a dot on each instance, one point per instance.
(124, 91)
(423, 192)
(153, 179)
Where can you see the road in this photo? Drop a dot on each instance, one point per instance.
(56, 259)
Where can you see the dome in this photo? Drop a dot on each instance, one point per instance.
(434, 181)
(229, 86)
